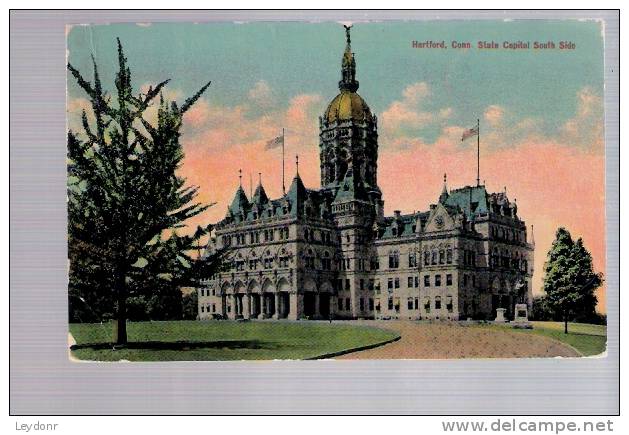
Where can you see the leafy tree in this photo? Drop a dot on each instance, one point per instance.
(126, 203)
(190, 304)
(570, 281)
(541, 310)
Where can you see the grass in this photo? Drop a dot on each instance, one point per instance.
(223, 340)
(586, 338)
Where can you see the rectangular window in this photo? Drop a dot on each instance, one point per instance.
(427, 305)
(397, 282)
(340, 304)
(410, 282)
(390, 283)
(417, 303)
(347, 304)
(397, 305)
(426, 280)
(437, 280)
(390, 304)
(362, 284)
(410, 303)
(412, 259)
(465, 280)
(362, 304)
(378, 305)
(449, 279)
(370, 304)
(347, 284)
(437, 303)
(416, 282)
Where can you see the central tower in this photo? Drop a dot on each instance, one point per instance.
(348, 139)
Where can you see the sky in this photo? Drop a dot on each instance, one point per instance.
(541, 111)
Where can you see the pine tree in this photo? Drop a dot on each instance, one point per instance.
(126, 202)
(569, 280)
(587, 281)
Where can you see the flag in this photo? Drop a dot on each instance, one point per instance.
(275, 142)
(469, 133)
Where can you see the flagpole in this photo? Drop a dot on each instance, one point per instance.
(283, 185)
(478, 152)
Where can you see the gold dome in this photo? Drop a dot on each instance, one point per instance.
(347, 106)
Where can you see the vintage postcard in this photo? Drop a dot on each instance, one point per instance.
(351, 190)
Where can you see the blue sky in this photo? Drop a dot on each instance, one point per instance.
(297, 58)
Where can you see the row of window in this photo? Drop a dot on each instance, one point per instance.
(257, 263)
(393, 304)
(412, 282)
(318, 235)
(503, 258)
(443, 256)
(206, 292)
(509, 234)
(252, 237)
(206, 308)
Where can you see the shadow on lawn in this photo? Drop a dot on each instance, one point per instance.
(182, 345)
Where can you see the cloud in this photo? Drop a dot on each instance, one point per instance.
(586, 128)
(402, 122)
(493, 114)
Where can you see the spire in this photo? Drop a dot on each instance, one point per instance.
(348, 66)
(532, 235)
(260, 197)
(444, 193)
(297, 163)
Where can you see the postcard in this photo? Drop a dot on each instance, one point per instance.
(336, 190)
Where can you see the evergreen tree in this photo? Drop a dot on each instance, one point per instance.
(126, 203)
(570, 280)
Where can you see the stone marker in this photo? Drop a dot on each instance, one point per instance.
(500, 315)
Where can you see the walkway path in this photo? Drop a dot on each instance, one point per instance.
(453, 340)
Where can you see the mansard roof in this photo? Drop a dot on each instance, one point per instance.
(350, 188)
(472, 200)
(404, 225)
(296, 202)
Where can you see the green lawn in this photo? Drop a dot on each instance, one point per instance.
(223, 340)
(587, 339)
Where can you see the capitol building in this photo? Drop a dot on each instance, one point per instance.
(331, 252)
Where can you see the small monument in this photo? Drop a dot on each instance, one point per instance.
(521, 317)
(500, 315)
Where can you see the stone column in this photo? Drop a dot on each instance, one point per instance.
(277, 305)
(263, 307)
(293, 310)
(232, 303)
(246, 305)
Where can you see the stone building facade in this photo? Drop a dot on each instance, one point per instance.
(332, 253)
